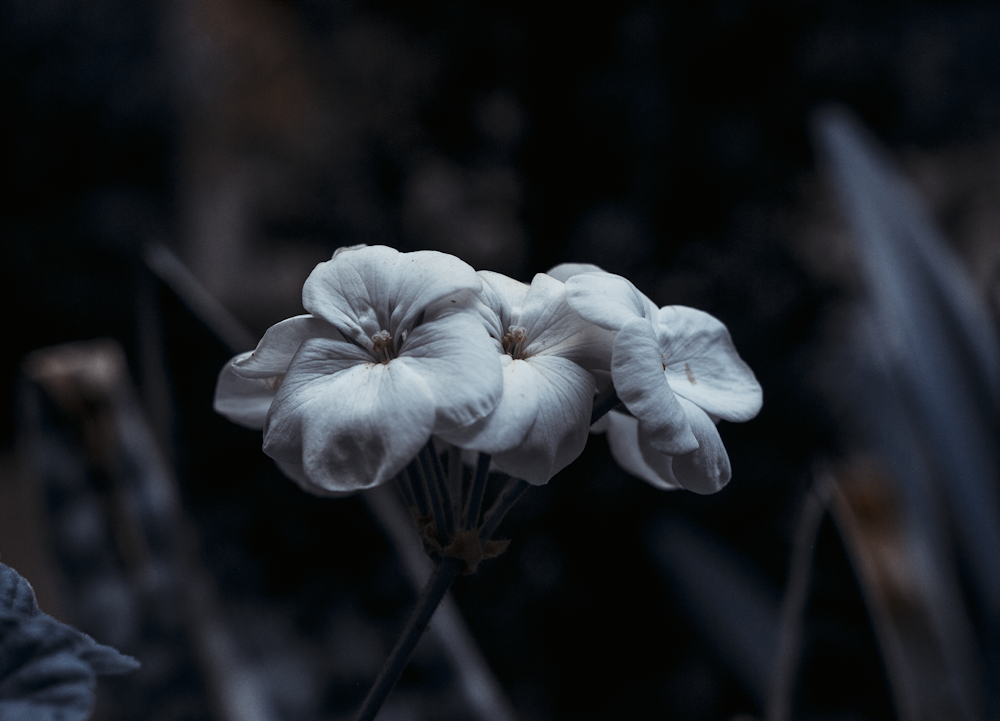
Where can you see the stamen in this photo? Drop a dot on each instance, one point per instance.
(382, 346)
(513, 341)
(274, 382)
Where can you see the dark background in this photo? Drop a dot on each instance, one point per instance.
(666, 142)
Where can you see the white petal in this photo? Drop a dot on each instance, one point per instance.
(459, 364)
(639, 381)
(608, 300)
(707, 469)
(554, 328)
(501, 298)
(511, 420)
(279, 344)
(363, 291)
(564, 395)
(703, 366)
(565, 271)
(297, 472)
(350, 428)
(243, 400)
(623, 441)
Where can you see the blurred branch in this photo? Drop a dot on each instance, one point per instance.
(780, 697)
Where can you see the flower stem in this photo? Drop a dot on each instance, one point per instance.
(470, 514)
(604, 404)
(442, 481)
(434, 493)
(444, 573)
(418, 487)
(510, 494)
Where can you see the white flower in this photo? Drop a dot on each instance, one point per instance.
(544, 347)
(677, 372)
(389, 355)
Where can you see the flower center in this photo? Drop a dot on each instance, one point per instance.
(382, 346)
(513, 341)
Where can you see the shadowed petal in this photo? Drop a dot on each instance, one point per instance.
(565, 271)
(363, 291)
(279, 344)
(707, 469)
(350, 428)
(607, 300)
(242, 400)
(459, 364)
(563, 399)
(642, 387)
(297, 472)
(510, 421)
(703, 366)
(641, 462)
(554, 328)
(500, 299)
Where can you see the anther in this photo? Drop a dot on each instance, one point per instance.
(382, 346)
(513, 341)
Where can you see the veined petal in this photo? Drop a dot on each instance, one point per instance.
(275, 350)
(641, 462)
(351, 429)
(565, 271)
(707, 469)
(608, 300)
(459, 364)
(363, 291)
(564, 395)
(639, 381)
(703, 366)
(554, 328)
(297, 472)
(510, 421)
(501, 298)
(244, 401)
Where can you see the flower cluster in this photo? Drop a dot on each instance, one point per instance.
(401, 348)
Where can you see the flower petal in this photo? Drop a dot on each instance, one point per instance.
(350, 428)
(275, 350)
(608, 300)
(707, 469)
(650, 466)
(563, 399)
(554, 328)
(242, 400)
(640, 383)
(565, 271)
(297, 472)
(459, 364)
(513, 416)
(363, 291)
(500, 299)
(703, 366)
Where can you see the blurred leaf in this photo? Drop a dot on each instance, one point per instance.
(922, 383)
(734, 606)
(48, 669)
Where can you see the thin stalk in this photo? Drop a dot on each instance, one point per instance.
(444, 573)
(456, 482)
(442, 481)
(434, 493)
(604, 404)
(414, 476)
(470, 514)
(403, 482)
(793, 605)
(510, 494)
